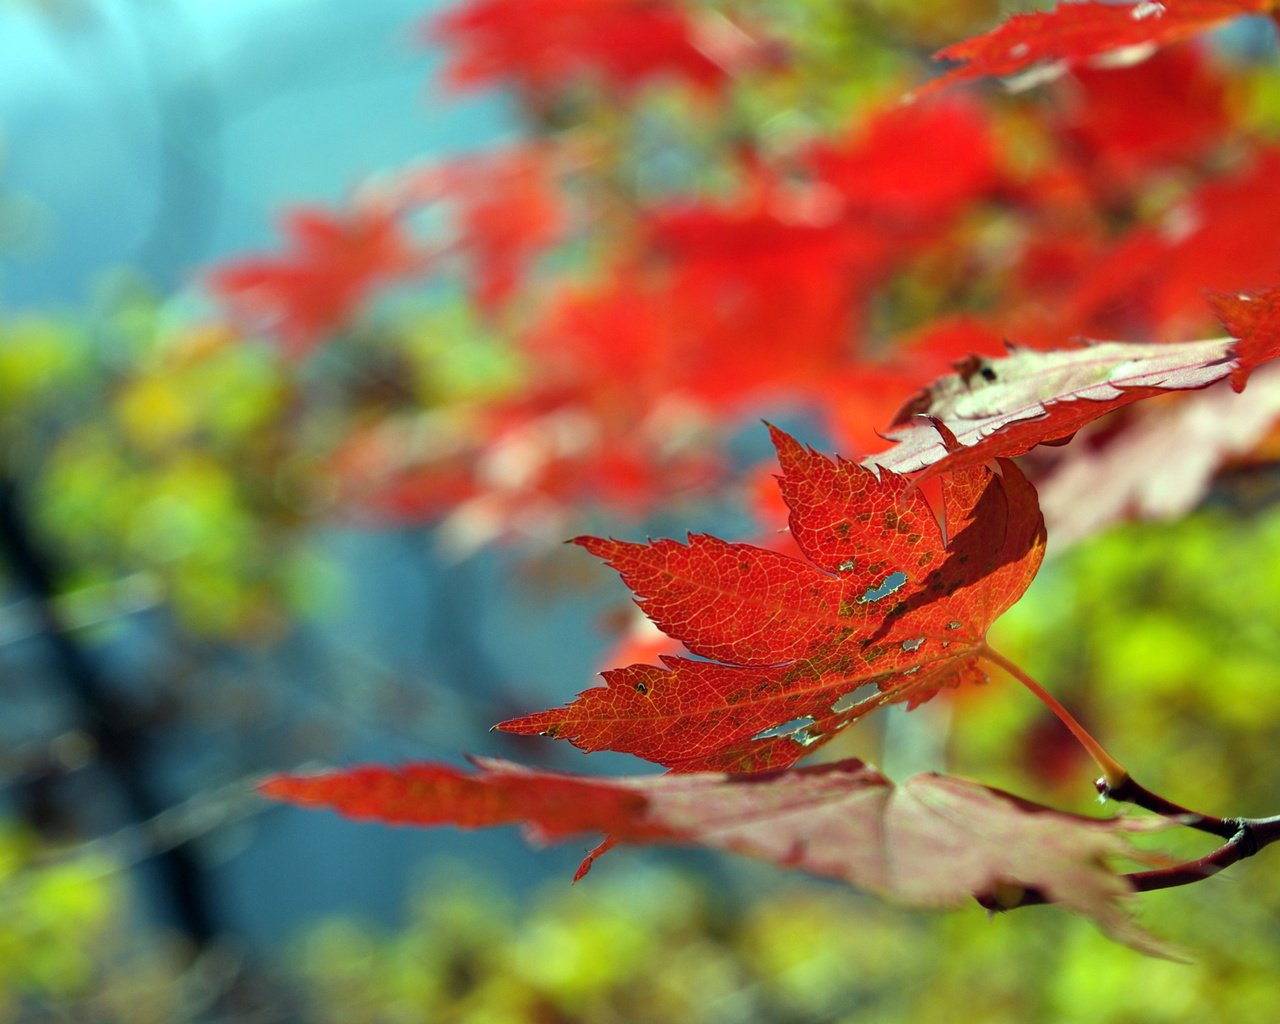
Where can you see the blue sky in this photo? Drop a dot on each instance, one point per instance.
(162, 134)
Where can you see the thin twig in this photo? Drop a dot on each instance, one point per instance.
(1131, 792)
(1250, 836)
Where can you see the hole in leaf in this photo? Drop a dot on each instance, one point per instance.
(892, 583)
(797, 729)
(913, 644)
(850, 700)
(846, 566)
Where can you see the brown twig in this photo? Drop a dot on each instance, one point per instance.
(1131, 792)
(1246, 837)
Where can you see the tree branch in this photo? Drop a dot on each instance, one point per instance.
(116, 744)
(1132, 792)
(1246, 837)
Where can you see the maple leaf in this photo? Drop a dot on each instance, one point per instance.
(1254, 321)
(334, 263)
(1160, 464)
(1121, 124)
(887, 597)
(1006, 406)
(1224, 236)
(1042, 43)
(543, 44)
(886, 168)
(934, 841)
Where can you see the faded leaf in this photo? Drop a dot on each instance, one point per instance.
(934, 841)
(1161, 464)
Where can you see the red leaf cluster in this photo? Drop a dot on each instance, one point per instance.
(335, 262)
(1139, 194)
(542, 45)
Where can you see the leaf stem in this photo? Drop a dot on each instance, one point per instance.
(1244, 836)
(1114, 774)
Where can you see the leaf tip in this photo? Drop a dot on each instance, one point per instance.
(780, 438)
(603, 847)
(273, 787)
(1253, 320)
(949, 440)
(293, 789)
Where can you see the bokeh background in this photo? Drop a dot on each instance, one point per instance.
(322, 325)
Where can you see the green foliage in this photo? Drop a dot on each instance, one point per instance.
(55, 922)
(1167, 633)
(644, 944)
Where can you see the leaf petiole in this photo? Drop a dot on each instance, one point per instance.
(1114, 774)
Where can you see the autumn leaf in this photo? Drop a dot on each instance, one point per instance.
(508, 212)
(1121, 125)
(1002, 407)
(887, 598)
(1161, 464)
(1254, 320)
(1042, 43)
(1150, 283)
(885, 168)
(934, 841)
(543, 45)
(334, 263)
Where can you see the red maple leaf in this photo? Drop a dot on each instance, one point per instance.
(1254, 321)
(508, 211)
(887, 597)
(334, 263)
(1123, 124)
(1004, 407)
(1072, 33)
(1151, 281)
(542, 45)
(886, 169)
(933, 841)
